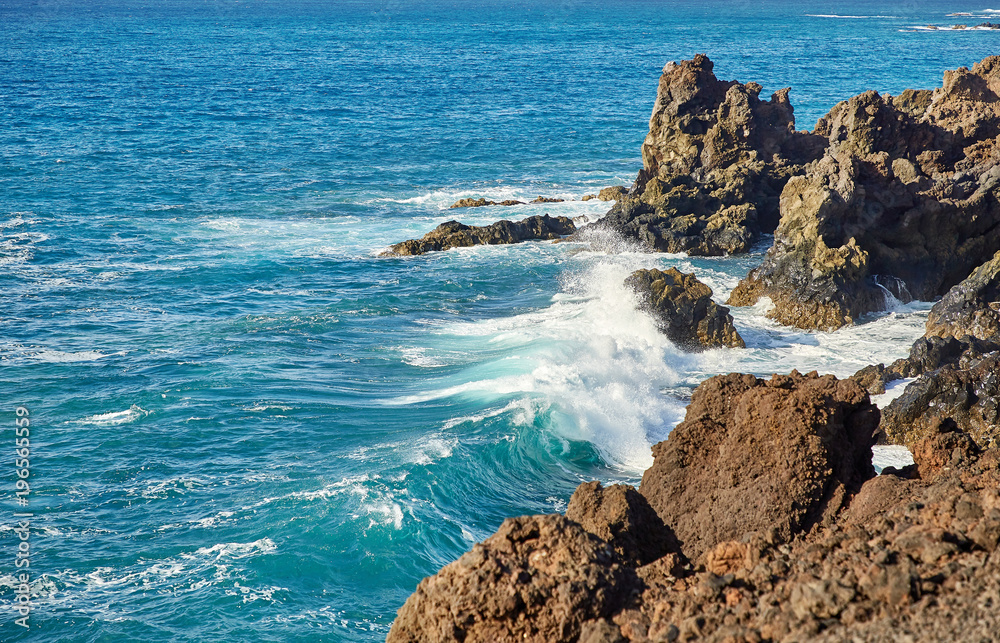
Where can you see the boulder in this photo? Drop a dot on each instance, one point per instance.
(904, 204)
(544, 199)
(622, 517)
(684, 310)
(771, 457)
(715, 161)
(538, 578)
(453, 234)
(613, 193)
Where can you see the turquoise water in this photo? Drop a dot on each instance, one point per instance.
(246, 425)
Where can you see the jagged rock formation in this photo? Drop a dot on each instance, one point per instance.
(972, 308)
(770, 457)
(968, 397)
(812, 547)
(453, 234)
(684, 309)
(539, 579)
(905, 199)
(714, 163)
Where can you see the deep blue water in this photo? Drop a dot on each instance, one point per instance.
(248, 426)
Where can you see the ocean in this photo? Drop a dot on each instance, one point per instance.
(245, 425)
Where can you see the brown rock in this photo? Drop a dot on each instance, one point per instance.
(453, 234)
(943, 446)
(613, 193)
(684, 309)
(539, 578)
(623, 518)
(770, 457)
(543, 199)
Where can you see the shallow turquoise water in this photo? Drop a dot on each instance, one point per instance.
(246, 425)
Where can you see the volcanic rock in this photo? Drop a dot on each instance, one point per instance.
(684, 310)
(969, 397)
(772, 457)
(453, 234)
(613, 193)
(544, 199)
(970, 308)
(714, 163)
(479, 203)
(539, 578)
(904, 202)
(621, 516)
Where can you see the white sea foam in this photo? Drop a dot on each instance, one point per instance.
(58, 357)
(890, 455)
(591, 363)
(892, 391)
(113, 418)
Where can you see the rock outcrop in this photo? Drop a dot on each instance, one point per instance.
(769, 488)
(622, 517)
(453, 234)
(772, 457)
(684, 310)
(715, 161)
(968, 397)
(539, 578)
(972, 308)
(480, 203)
(904, 202)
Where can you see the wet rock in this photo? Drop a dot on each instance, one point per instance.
(971, 308)
(479, 203)
(539, 578)
(588, 197)
(684, 309)
(772, 457)
(901, 196)
(969, 397)
(715, 161)
(623, 518)
(543, 199)
(453, 234)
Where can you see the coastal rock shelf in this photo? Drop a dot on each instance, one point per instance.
(761, 519)
(453, 234)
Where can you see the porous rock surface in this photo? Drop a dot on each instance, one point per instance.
(904, 201)
(480, 203)
(684, 310)
(714, 163)
(622, 517)
(453, 234)
(971, 308)
(844, 556)
(771, 457)
(538, 579)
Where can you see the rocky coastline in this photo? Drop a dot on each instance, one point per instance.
(762, 517)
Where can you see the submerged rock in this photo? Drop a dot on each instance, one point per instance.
(714, 163)
(453, 234)
(684, 310)
(772, 457)
(904, 201)
(539, 578)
